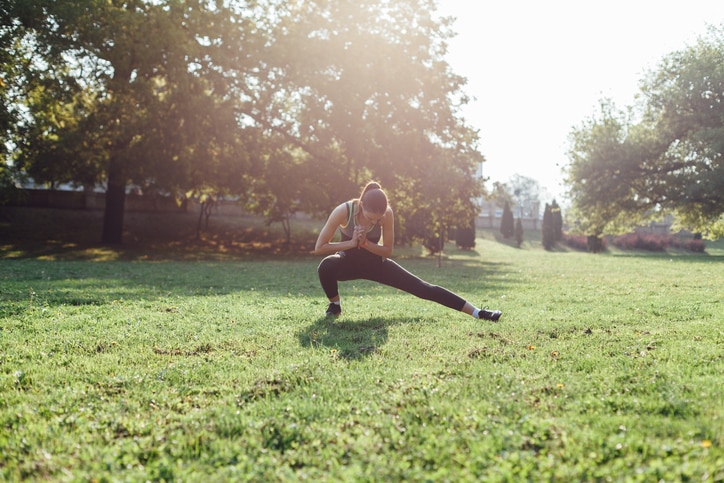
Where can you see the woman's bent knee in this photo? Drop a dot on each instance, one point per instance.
(328, 265)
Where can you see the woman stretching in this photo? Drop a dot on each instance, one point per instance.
(362, 223)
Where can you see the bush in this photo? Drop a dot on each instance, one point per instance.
(507, 224)
(519, 232)
(465, 236)
(657, 243)
(595, 244)
(549, 236)
(579, 242)
(637, 241)
(696, 245)
(9, 193)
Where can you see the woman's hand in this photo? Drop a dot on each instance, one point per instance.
(360, 236)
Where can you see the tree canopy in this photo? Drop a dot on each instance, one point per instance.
(667, 156)
(286, 105)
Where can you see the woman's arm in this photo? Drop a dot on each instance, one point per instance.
(388, 237)
(324, 245)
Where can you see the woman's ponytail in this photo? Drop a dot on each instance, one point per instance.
(372, 185)
(374, 198)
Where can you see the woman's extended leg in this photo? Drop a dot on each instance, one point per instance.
(392, 274)
(337, 267)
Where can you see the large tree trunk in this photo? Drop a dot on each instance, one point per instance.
(115, 204)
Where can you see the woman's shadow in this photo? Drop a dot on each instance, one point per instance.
(351, 339)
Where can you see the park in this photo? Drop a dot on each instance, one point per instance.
(178, 365)
(166, 170)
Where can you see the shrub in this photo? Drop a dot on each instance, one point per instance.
(580, 242)
(637, 241)
(657, 243)
(697, 246)
(595, 243)
(549, 236)
(519, 232)
(465, 236)
(507, 224)
(557, 217)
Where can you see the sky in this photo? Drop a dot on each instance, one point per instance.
(538, 69)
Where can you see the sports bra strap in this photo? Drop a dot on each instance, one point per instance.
(350, 211)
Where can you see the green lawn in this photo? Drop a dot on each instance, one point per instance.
(120, 366)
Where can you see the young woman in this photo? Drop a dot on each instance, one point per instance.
(359, 255)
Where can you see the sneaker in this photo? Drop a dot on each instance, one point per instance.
(334, 310)
(492, 315)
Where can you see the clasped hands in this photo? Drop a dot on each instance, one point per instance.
(360, 236)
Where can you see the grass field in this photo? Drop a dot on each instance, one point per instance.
(198, 362)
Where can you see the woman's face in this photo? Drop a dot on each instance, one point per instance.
(369, 217)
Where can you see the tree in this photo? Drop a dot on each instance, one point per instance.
(262, 102)
(465, 235)
(526, 192)
(11, 53)
(152, 116)
(8, 191)
(502, 195)
(623, 172)
(519, 232)
(361, 91)
(685, 107)
(549, 240)
(557, 220)
(507, 223)
(15, 72)
(600, 178)
(55, 142)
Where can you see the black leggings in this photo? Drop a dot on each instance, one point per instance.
(354, 264)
